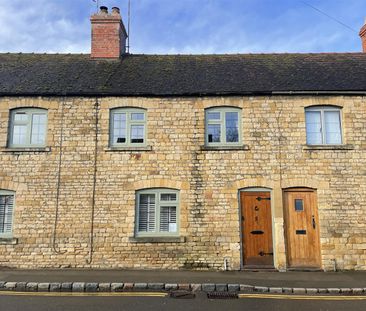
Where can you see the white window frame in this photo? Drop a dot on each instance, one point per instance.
(158, 204)
(29, 124)
(7, 235)
(322, 110)
(222, 123)
(129, 124)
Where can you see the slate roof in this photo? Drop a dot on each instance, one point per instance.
(181, 75)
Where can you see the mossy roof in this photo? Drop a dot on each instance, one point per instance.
(181, 75)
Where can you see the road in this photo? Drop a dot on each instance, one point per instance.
(125, 303)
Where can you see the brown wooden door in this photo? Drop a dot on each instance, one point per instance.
(257, 229)
(302, 228)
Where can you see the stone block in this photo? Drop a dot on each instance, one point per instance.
(246, 288)
(104, 287)
(55, 287)
(334, 290)
(221, 287)
(311, 291)
(261, 289)
(78, 287)
(10, 285)
(357, 291)
(275, 290)
(43, 287)
(299, 290)
(117, 287)
(91, 287)
(31, 287)
(208, 287)
(140, 286)
(155, 286)
(233, 287)
(66, 287)
(21, 286)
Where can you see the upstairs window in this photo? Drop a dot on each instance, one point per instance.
(157, 212)
(323, 125)
(223, 126)
(6, 213)
(28, 127)
(128, 127)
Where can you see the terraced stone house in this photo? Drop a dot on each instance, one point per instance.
(247, 161)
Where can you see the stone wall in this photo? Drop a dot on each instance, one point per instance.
(209, 180)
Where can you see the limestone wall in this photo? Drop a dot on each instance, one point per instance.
(209, 180)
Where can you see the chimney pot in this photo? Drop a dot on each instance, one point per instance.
(103, 10)
(363, 37)
(115, 11)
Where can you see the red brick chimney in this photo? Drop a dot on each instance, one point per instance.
(363, 37)
(108, 34)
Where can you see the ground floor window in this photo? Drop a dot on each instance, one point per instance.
(157, 212)
(6, 213)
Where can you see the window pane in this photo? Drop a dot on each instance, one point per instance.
(313, 128)
(168, 197)
(137, 116)
(332, 127)
(6, 213)
(119, 128)
(21, 117)
(168, 219)
(213, 133)
(137, 134)
(147, 213)
(299, 205)
(38, 129)
(213, 116)
(232, 130)
(19, 135)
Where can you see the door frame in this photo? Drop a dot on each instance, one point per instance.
(256, 189)
(285, 222)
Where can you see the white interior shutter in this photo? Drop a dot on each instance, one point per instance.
(168, 219)
(147, 213)
(6, 213)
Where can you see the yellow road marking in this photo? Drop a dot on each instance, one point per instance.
(73, 294)
(300, 297)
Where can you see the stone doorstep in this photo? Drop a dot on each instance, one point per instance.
(169, 287)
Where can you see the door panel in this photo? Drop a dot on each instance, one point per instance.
(257, 229)
(302, 229)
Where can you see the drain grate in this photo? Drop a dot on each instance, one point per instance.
(182, 295)
(222, 295)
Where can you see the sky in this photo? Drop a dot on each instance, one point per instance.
(188, 26)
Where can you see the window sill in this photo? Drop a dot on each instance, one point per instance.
(26, 149)
(165, 239)
(122, 149)
(8, 241)
(328, 147)
(213, 148)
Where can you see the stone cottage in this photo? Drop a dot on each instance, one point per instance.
(248, 161)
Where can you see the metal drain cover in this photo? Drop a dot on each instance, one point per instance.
(222, 295)
(182, 294)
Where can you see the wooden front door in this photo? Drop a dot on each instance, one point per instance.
(302, 228)
(257, 229)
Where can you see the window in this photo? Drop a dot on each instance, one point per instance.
(28, 127)
(323, 126)
(128, 127)
(223, 126)
(6, 213)
(157, 212)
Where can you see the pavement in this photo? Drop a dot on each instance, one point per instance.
(352, 279)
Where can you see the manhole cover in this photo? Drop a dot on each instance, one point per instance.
(222, 295)
(182, 294)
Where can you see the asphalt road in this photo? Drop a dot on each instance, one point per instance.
(31, 303)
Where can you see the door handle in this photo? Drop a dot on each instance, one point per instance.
(313, 221)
